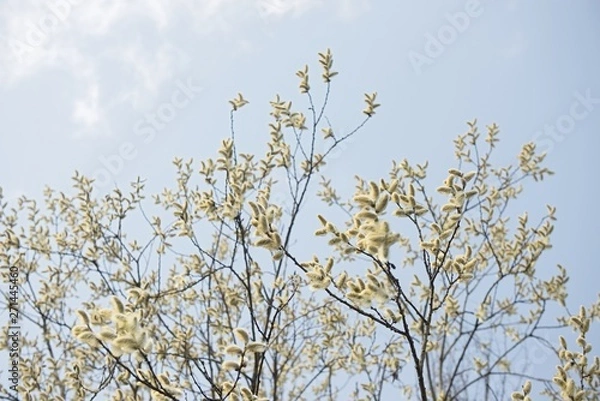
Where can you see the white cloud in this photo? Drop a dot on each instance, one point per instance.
(160, 12)
(143, 37)
(98, 18)
(31, 30)
(87, 111)
(149, 71)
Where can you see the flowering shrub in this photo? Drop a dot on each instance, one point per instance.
(425, 290)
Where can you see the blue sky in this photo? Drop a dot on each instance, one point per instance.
(80, 82)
